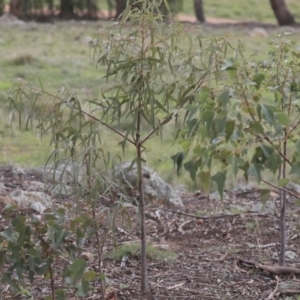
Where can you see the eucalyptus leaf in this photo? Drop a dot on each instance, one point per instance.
(220, 179)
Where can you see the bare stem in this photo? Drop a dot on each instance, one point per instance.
(282, 212)
(142, 205)
(99, 244)
(52, 281)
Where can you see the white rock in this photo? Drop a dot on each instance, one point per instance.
(37, 201)
(269, 207)
(293, 187)
(155, 188)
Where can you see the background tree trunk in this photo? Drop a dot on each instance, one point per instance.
(199, 12)
(15, 8)
(66, 9)
(120, 7)
(282, 14)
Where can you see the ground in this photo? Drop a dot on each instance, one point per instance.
(217, 243)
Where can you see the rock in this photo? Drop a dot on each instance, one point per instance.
(268, 208)
(9, 19)
(289, 255)
(155, 188)
(37, 201)
(289, 287)
(34, 186)
(66, 172)
(258, 31)
(2, 187)
(291, 186)
(216, 196)
(61, 190)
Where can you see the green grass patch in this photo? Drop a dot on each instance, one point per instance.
(134, 250)
(251, 10)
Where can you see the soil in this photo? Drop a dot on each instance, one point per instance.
(221, 248)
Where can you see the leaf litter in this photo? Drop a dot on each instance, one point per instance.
(224, 250)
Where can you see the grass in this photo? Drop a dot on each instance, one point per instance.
(133, 249)
(251, 10)
(60, 56)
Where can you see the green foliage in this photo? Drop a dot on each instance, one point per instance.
(238, 116)
(134, 250)
(249, 123)
(29, 248)
(152, 77)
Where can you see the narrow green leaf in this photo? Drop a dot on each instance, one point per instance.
(77, 269)
(265, 194)
(204, 93)
(82, 288)
(295, 169)
(228, 64)
(229, 128)
(205, 178)
(60, 294)
(282, 182)
(88, 276)
(258, 79)
(234, 165)
(224, 97)
(255, 171)
(6, 278)
(219, 179)
(283, 118)
(192, 168)
(208, 117)
(178, 160)
(268, 114)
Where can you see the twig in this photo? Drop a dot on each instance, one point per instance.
(175, 286)
(280, 188)
(279, 270)
(162, 227)
(222, 258)
(275, 290)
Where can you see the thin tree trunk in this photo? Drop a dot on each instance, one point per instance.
(199, 12)
(120, 7)
(144, 277)
(66, 9)
(282, 210)
(282, 14)
(15, 8)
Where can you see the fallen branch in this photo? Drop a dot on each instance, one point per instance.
(222, 258)
(279, 270)
(161, 226)
(215, 216)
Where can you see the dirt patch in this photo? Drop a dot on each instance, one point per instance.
(211, 251)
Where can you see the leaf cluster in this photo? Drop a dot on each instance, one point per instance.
(249, 122)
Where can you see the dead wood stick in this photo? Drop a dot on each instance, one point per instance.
(161, 225)
(279, 270)
(280, 188)
(213, 216)
(222, 258)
